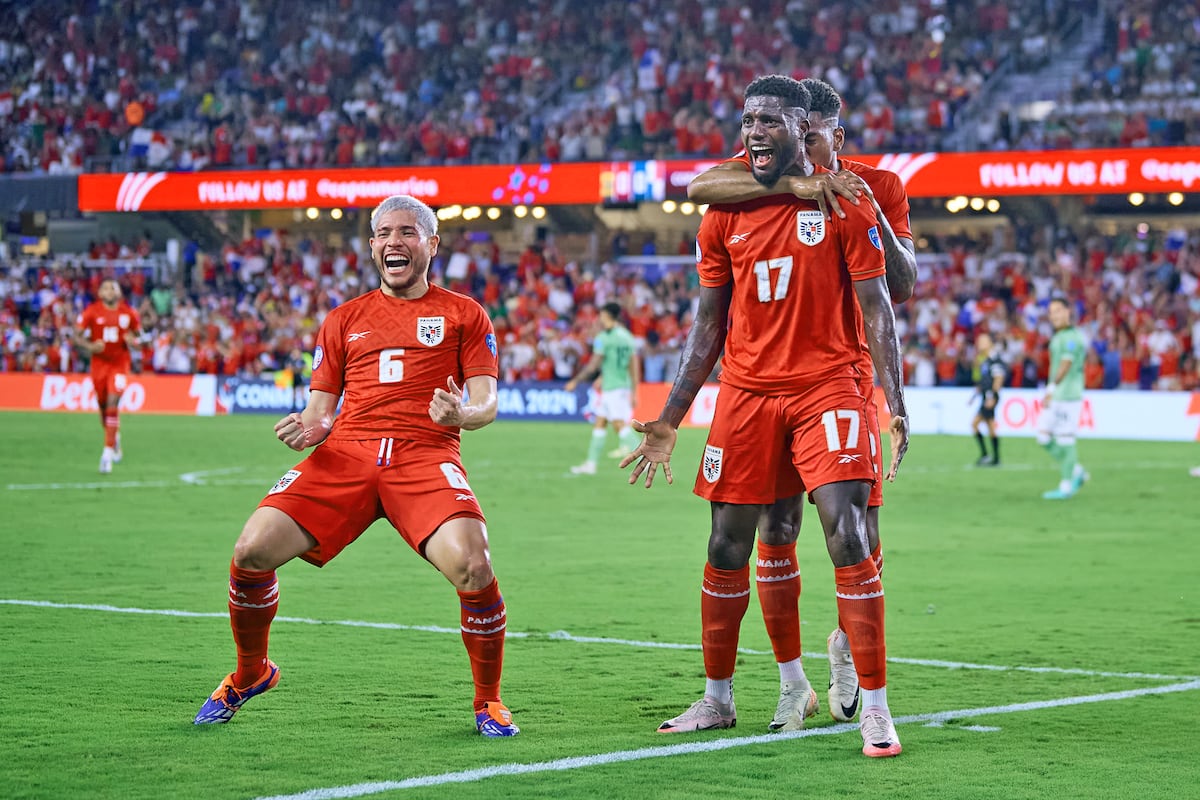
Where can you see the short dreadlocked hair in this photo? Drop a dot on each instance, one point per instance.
(825, 99)
(789, 90)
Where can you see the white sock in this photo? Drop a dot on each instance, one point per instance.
(875, 697)
(721, 691)
(791, 670)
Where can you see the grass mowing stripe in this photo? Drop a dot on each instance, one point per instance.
(690, 748)
(564, 636)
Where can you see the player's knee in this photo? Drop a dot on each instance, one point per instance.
(729, 552)
(262, 544)
(249, 553)
(470, 571)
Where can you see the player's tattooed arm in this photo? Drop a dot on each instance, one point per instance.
(731, 182)
(879, 320)
(900, 255)
(700, 354)
(700, 351)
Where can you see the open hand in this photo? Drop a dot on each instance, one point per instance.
(658, 440)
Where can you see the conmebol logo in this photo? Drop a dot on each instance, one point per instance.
(135, 187)
(906, 165)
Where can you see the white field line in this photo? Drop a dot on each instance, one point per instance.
(564, 636)
(213, 477)
(207, 477)
(691, 748)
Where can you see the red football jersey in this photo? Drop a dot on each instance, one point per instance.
(794, 319)
(388, 355)
(885, 185)
(889, 193)
(893, 199)
(109, 325)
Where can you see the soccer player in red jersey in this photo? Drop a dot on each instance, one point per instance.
(108, 329)
(781, 289)
(398, 357)
(732, 181)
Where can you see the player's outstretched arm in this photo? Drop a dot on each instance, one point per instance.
(880, 322)
(700, 354)
(312, 425)
(731, 182)
(448, 407)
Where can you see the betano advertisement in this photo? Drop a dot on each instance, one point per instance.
(1153, 170)
(1157, 416)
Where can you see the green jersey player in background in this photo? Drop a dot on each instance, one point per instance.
(1059, 419)
(615, 358)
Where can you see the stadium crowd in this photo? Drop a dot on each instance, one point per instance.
(209, 84)
(255, 306)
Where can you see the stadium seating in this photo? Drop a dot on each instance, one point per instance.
(225, 84)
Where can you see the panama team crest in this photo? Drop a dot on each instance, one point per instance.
(810, 227)
(711, 465)
(287, 480)
(431, 330)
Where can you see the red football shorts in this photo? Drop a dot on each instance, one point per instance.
(108, 383)
(342, 487)
(872, 413)
(762, 449)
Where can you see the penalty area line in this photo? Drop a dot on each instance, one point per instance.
(691, 748)
(564, 636)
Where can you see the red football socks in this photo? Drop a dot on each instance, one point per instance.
(724, 598)
(483, 622)
(860, 609)
(253, 601)
(778, 581)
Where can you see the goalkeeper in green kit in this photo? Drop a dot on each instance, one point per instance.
(1059, 419)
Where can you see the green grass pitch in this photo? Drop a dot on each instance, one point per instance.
(1037, 649)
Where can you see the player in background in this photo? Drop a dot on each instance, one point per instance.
(108, 330)
(399, 355)
(781, 288)
(615, 358)
(731, 181)
(992, 372)
(1058, 421)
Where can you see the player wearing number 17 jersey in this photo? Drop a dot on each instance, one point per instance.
(397, 357)
(778, 289)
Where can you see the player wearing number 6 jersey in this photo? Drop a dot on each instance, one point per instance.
(397, 357)
(779, 284)
(107, 330)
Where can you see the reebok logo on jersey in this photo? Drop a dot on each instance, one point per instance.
(849, 458)
(467, 497)
(739, 238)
(354, 337)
